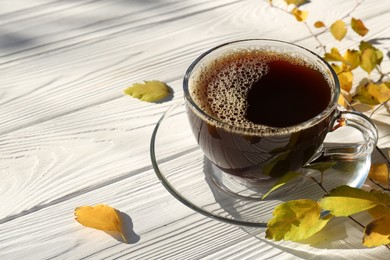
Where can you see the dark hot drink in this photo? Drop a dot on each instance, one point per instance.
(254, 95)
(261, 108)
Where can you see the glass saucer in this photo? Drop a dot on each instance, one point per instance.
(188, 176)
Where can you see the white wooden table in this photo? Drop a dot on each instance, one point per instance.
(70, 137)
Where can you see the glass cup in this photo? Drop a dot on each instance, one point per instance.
(256, 156)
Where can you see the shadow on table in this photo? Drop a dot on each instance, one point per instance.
(127, 229)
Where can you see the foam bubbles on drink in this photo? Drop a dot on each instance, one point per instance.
(220, 87)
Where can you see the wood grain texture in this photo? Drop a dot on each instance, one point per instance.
(69, 137)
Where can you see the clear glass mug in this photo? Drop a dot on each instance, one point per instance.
(257, 157)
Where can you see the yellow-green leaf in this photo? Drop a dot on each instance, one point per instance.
(300, 15)
(289, 176)
(334, 55)
(346, 80)
(296, 2)
(101, 217)
(338, 29)
(295, 220)
(150, 91)
(319, 24)
(366, 45)
(372, 93)
(377, 232)
(380, 173)
(368, 60)
(352, 59)
(359, 27)
(346, 201)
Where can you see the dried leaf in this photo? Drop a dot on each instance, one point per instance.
(300, 15)
(150, 91)
(373, 93)
(359, 27)
(369, 60)
(377, 232)
(289, 176)
(338, 29)
(379, 173)
(295, 220)
(101, 217)
(319, 24)
(346, 201)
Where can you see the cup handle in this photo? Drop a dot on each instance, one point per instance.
(352, 151)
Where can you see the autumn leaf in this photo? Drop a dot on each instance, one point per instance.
(289, 176)
(321, 166)
(334, 55)
(295, 220)
(338, 29)
(369, 60)
(101, 217)
(359, 27)
(319, 24)
(342, 101)
(296, 2)
(346, 80)
(150, 91)
(377, 232)
(300, 15)
(373, 93)
(379, 173)
(366, 45)
(352, 59)
(346, 201)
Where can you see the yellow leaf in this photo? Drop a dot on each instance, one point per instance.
(296, 2)
(346, 201)
(289, 176)
(379, 173)
(319, 24)
(342, 101)
(352, 59)
(368, 60)
(102, 217)
(372, 93)
(346, 80)
(300, 15)
(377, 232)
(334, 55)
(359, 27)
(366, 45)
(295, 220)
(338, 29)
(150, 91)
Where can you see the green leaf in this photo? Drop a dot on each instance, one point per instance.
(358, 26)
(295, 220)
(150, 91)
(377, 232)
(346, 201)
(282, 181)
(338, 29)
